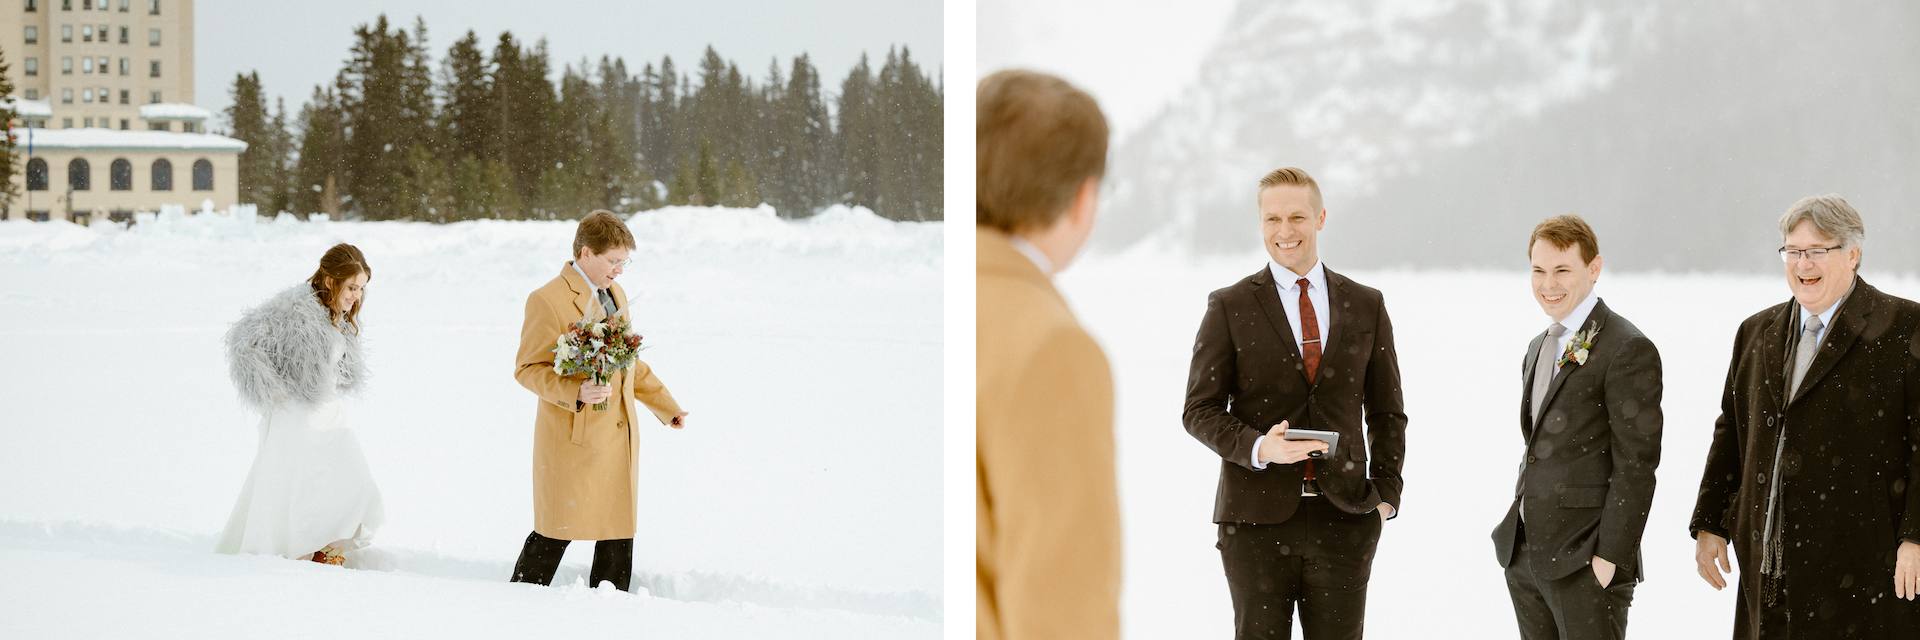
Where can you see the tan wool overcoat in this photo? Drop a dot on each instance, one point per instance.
(1047, 527)
(585, 476)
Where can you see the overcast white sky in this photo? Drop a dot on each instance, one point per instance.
(1132, 55)
(296, 45)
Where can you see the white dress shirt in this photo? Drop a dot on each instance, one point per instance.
(1574, 320)
(1288, 284)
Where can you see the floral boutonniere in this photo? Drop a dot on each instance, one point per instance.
(1578, 347)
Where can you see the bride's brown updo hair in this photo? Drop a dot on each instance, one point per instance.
(340, 264)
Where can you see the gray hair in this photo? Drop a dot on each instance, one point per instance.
(1830, 215)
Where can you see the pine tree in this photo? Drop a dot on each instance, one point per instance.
(858, 144)
(247, 122)
(282, 144)
(322, 155)
(465, 116)
(8, 142)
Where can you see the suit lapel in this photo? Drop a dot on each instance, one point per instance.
(582, 292)
(1269, 297)
(1853, 313)
(1773, 352)
(1526, 384)
(1596, 318)
(1339, 325)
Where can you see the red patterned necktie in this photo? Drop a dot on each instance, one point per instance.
(1310, 353)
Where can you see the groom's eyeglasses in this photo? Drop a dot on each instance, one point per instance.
(622, 264)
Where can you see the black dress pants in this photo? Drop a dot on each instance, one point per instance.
(1319, 560)
(540, 558)
(1573, 607)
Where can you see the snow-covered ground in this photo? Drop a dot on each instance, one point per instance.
(803, 500)
(1461, 336)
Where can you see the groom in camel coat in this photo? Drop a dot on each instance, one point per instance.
(585, 476)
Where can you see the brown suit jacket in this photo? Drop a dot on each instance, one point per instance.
(584, 475)
(1047, 545)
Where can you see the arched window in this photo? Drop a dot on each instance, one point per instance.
(79, 175)
(162, 175)
(202, 175)
(37, 174)
(120, 175)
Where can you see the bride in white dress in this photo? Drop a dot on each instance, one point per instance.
(310, 494)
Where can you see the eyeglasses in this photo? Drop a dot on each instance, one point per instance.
(619, 264)
(1815, 254)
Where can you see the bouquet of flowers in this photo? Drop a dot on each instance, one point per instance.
(597, 349)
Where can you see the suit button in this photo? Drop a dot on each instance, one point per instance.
(1769, 421)
(623, 424)
(1531, 460)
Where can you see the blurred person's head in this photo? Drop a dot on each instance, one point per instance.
(1291, 217)
(1565, 255)
(1821, 240)
(1040, 152)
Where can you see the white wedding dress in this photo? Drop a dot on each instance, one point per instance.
(309, 487)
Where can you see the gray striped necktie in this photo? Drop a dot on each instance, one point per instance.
(1545, 365)
(1803, 355)
(606, 302)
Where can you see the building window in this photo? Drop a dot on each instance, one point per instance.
(66, 97)
(86, 65)
(103, 64)
(153, 68)
(86, 96)
(202, 175)
(120, 175)
(126, 67)
(125, 98)
(162, 175)
(33, 66)
(123, 35)
(33, 5)
(153, 98)
(66, 123)
(159, 126)
(86, 33)
(33, 34)
(153, 7)
(78, 178)
(123, 6)
(37, 174)
(66, 5)
(87, 122)
(66, 65)
(86, 5)
(66, 33)
(153, 37)
(33, 94)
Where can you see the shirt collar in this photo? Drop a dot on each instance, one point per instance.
(1033, 253)
(1288, 280)
(1578, 318)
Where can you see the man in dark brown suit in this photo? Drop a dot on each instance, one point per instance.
(1590, 417)
(1816, 455)
(1298, 346)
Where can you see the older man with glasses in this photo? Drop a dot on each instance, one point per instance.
(1811, 473)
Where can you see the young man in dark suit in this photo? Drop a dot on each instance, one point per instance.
(1590, 417)
(1297, 346)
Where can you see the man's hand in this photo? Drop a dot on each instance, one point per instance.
(1710, 559)
(1385, 510)
(1603, 570)
(1277, 448)
(679, 420)
(1906, 571)
(591, 393)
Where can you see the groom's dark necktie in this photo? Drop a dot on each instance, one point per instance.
(606, 302)
(1310, 354)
